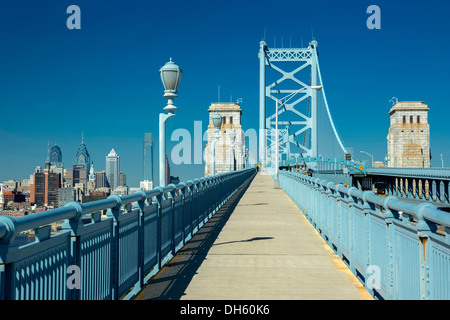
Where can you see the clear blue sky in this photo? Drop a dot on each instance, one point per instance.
(103, 80)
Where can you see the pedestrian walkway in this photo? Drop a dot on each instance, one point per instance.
(259, 246)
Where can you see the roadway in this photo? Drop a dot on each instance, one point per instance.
(259, 246)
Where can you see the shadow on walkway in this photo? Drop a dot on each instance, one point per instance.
(171, 281)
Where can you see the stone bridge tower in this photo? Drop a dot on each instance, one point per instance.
(409, 135)
(231, 120)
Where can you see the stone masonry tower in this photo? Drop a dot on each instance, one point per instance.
(231, 120)
(409, 135)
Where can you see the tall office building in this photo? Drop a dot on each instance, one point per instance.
(56, 162)
(100, 180)
(82, 158)
(148, 157)
(122, 179)
(78, 174)
(56, 156)
(44, 189)
(167, 171)
(409, 135)
(113, 169)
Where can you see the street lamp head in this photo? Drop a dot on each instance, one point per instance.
(170, 77)
(318, 88)
(217, 121)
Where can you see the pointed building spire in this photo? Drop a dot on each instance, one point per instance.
(47, 162)
(48, 150)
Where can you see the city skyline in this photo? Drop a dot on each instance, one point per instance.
(107, 73)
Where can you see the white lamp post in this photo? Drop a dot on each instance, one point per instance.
(370, 156)
(217, 122)
(170, 77)
(278, 105)
(232, 138)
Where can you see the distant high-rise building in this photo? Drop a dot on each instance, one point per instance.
(82, 157)
(122, 179)
(113, 169)
(47, 162)
(54, 161)
(78, 174)
(44, 189)
(56, 156)
(148, 157)
(167, 171)
(100, 180)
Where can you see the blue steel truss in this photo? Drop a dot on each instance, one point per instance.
(299, 128)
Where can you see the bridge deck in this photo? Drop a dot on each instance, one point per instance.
(257, 247)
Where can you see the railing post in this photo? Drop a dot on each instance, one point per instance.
(423, 232)
(172, 195)
(114, 214)
(367, 207)
(159, 199)
(351, 225)
(389, 218)
(140, 205)
(73, 225)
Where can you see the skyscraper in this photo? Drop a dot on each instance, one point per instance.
(56, 162)
(112, 169)
(100, 179)
(56, 156)
(44, 189)
(148, 157)
(82, 157)
(77, 174)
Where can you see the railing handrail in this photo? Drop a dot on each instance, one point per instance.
(9, 226)
(424, 211)
(396, 249)
(115, 257)
(434, 172)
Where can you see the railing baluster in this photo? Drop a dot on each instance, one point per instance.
(404, 238)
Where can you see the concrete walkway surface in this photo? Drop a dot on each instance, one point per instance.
(259, 246)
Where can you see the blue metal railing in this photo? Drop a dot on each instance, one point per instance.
(441, 173)
(398, 250)
(115, 254)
